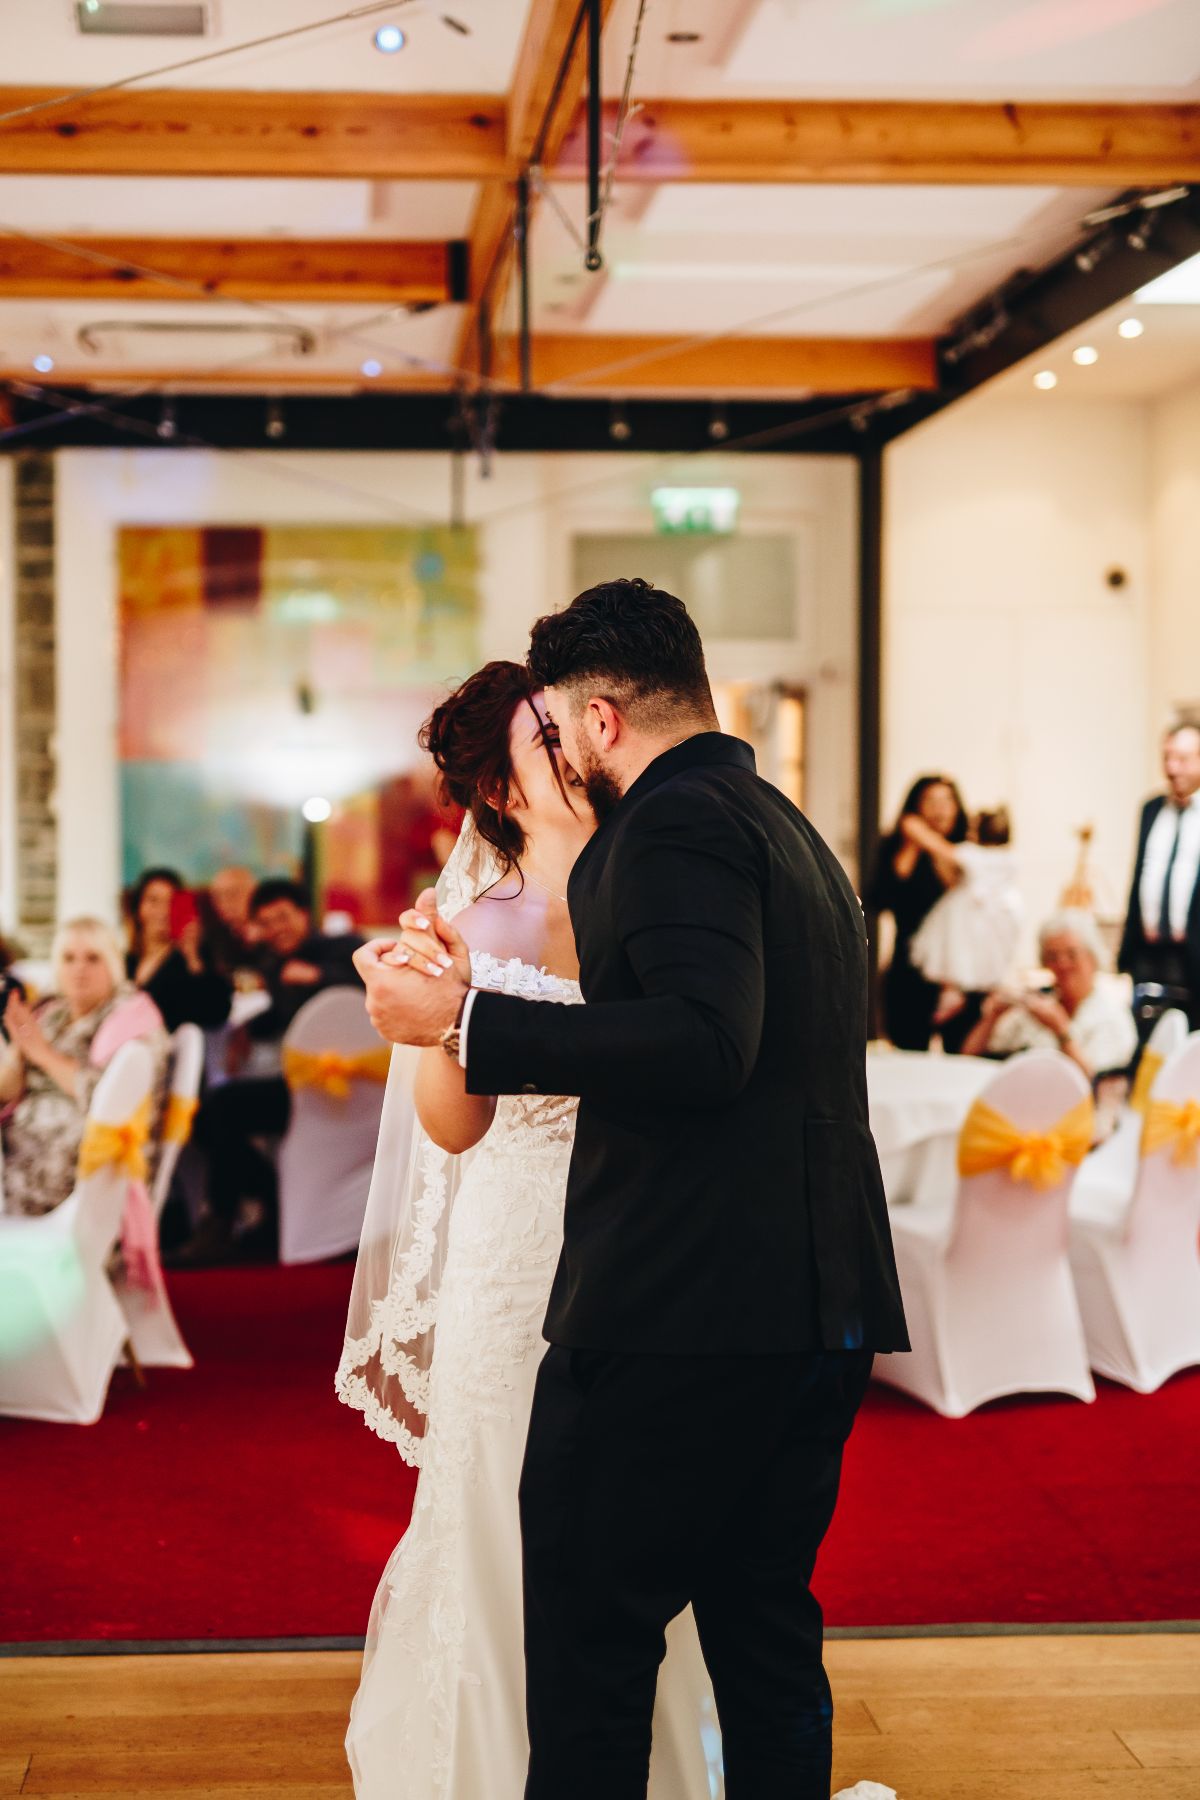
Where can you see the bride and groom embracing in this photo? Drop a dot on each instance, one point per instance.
(674, 1184)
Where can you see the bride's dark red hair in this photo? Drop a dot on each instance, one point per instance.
(467, 737)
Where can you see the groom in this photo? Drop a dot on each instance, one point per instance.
(727, 1269)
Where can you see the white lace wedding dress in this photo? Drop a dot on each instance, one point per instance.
(440, 1712)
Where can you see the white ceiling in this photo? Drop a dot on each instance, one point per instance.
(822, 261)
(157, 206)
(42, 46)
(915, 49)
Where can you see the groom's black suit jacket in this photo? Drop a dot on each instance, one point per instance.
(724, 1193)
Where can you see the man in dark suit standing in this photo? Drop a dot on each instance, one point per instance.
(727, 1268)
(1161, 944)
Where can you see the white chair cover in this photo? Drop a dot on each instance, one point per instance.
(1105, 1182)
(1137, 1268)
(152, 1327)
(986, 1281)
(325, 1161)
(61, 1329)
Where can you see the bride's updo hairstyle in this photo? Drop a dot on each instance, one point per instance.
(467, 737)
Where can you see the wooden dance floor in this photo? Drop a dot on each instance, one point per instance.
(1008, 1718)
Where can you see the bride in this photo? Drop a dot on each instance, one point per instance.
(459, 1247)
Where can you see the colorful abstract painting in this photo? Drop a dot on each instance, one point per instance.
(265, 670)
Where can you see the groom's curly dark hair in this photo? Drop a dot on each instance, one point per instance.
(633, 643)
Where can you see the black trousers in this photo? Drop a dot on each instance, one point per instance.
(655, 1481)
(232, 1116)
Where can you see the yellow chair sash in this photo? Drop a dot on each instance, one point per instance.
(1176, 1127)
(179, 1118)
(1145, 1079)
(989, 1141)
(121, 1147)
(331, 1072)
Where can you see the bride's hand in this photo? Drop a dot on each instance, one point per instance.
(429, 943)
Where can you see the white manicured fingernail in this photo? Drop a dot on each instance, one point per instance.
(433, 969)
(420, 922)
(447, 962)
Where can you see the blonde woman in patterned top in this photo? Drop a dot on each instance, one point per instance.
(56, 1053)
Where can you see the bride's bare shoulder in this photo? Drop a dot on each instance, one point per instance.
(500, 927)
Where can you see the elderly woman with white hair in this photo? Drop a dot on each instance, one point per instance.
(55, 1054)
(1081, 1016)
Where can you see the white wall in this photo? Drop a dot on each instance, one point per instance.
(1008, 660)
(1174, 675)
(529, 510)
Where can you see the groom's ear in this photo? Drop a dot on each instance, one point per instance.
(606, 721)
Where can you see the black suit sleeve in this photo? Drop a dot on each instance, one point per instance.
(689, 920)
(1134, 936)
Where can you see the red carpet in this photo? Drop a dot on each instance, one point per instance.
(241, 1500)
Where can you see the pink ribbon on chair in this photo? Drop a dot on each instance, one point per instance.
(139, 1241)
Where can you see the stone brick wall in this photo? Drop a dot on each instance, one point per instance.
(34, 691)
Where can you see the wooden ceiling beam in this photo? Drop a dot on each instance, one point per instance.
(199, 131)
(1068, 145)
(267, 382)
(325, 269)
(758, 366)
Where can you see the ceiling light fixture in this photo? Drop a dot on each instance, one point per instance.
(1130, 328)
(167, 426)
(43, 363)
(317, 810)
(718, 424)
(1085, 356)
(372, 368)
(389, 39)
(1045, 379)
(276, 426)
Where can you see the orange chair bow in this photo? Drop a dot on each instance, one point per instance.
(1145, 1079)
(121, 1147)
(1176, 1127)
(989, 1141)
(331, 1072)
(179, 1118)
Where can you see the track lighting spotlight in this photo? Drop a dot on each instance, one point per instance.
(275, 426)
(619, 428)
(718, 425)
(167, 426)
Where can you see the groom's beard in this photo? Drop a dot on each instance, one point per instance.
(600, 786)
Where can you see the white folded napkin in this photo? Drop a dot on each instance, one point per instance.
(866, 1790)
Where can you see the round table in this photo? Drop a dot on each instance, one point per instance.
(918, 1101)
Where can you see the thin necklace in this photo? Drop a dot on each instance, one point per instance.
(529, 875)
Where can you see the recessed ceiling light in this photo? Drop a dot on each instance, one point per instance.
(1130, 328)
(43, 364)
(317, 810)
(1085, 356)
(389, 39)
(371, 367)
(1045, 379)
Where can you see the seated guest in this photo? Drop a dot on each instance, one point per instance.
(301, 962)
(55, 1055)
(1079, 1016)
(167, 957)
(232, 938)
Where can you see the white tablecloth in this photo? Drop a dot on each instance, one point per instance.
(918, 1102)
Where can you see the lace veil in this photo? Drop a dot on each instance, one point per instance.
(384, 1367)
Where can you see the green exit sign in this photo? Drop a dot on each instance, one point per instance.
(710, 509)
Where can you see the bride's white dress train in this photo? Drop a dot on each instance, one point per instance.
(440, 1711)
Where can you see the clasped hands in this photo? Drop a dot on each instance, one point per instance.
(416, 982)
